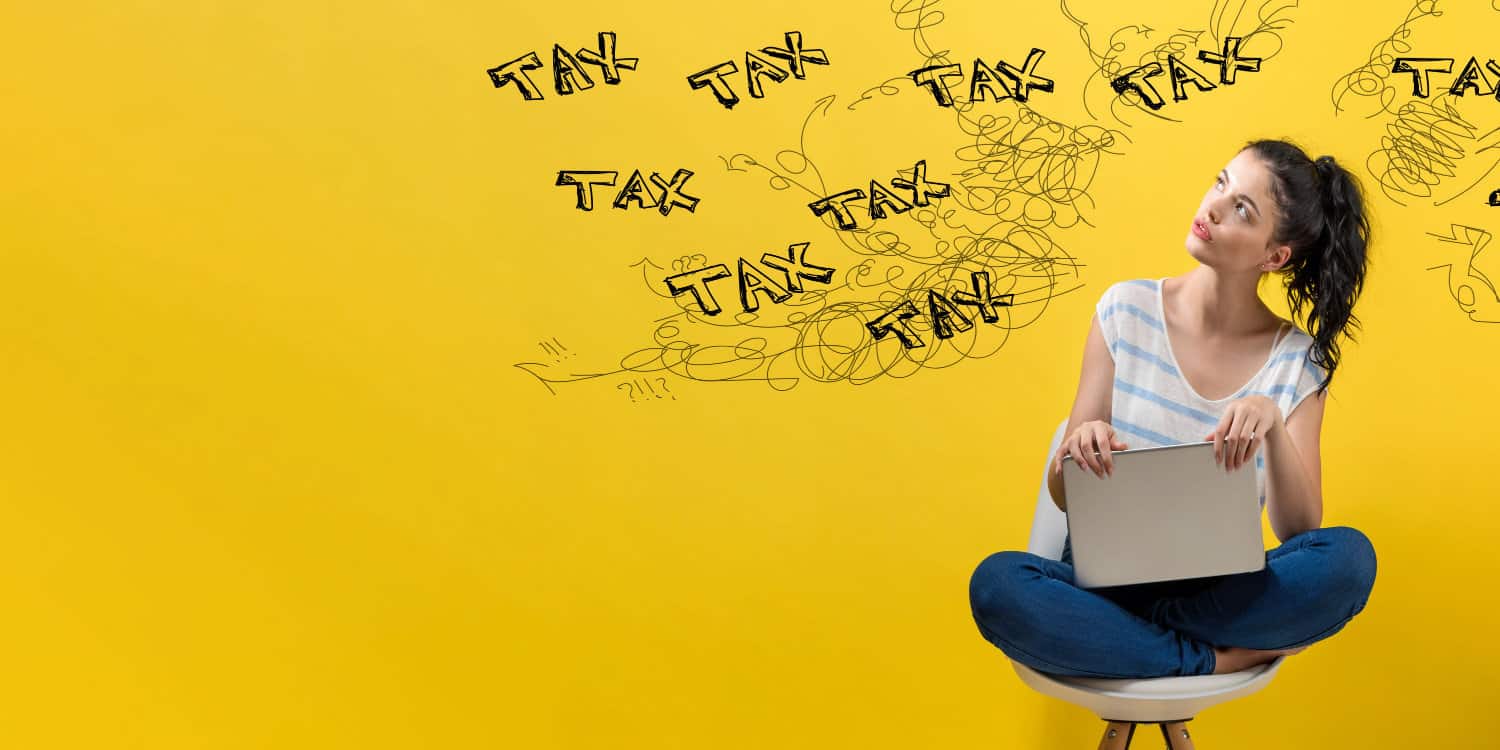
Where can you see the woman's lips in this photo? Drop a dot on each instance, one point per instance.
(1201, 231)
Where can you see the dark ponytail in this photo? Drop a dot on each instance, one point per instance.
(1322, 218)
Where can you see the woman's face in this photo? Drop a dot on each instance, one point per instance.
(1238, 216)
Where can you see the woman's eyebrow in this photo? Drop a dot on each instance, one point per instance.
(1225, 174)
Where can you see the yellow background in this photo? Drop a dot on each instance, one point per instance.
(269, 475)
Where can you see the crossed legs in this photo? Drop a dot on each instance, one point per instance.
(1312, 585)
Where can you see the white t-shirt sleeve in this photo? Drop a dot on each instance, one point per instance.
(1109, 321)
(1309, 377)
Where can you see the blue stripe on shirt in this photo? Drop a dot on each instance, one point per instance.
(1136, 351)
(1149, 319)
(1153, 436)
(1156, 398)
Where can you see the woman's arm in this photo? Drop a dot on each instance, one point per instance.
(1294, 472)
(1096, 386)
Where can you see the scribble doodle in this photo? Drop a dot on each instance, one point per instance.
(1372, 80)
(1429, 143)
(924, 276)
(555, 349)
(1470, 287)
(1138, 80)
(639, 387)
(1425, 145)
(881, 198)
(887, 87)
(569, 75)
(1129, 49)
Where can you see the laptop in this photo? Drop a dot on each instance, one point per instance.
(1167, 513)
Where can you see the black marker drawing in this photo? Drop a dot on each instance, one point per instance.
(752, 279)
(1180, 74)
(1130, 57)
(880, 198)
(636, 190)
(998, 83)
(758, 66)
(570, 70)
(1431, 147)
(1373, 78)
(639, 387)
(1470, 79)
(1470, 288)
(944, 316)
(556, 349)
(1430, 144)
(932, 285)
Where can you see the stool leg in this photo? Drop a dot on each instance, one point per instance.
(1117, 736)
(1176, 735)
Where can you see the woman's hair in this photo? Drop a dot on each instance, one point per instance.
(1322, 218)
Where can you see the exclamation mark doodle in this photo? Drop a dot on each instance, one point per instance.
(557, 352)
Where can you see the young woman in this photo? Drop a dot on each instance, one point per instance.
(1182, 360)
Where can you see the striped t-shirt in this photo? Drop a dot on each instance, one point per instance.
(1153, 404)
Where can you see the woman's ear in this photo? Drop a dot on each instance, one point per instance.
(1278, 258)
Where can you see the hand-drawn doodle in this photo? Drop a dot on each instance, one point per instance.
(1373, 78)
(646, 384)
(568, 72)
(980, 252)
(556, 349)
(1473, 291)
(794, 267)
(1001, 82)
(1138, 80)
(1116, 63)
(944, 313)
(1428, 143)
(881, 197)
(757, 66)
(636, 190)
(1422, 68)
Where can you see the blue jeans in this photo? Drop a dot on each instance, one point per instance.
(1029, 607)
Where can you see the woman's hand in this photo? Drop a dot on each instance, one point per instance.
(1244, 426)
(1093, 435)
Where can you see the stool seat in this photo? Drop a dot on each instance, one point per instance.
(1149, 700)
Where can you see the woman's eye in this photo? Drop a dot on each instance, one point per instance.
(1243, 212)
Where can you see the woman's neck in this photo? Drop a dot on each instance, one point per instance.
(1217, 305)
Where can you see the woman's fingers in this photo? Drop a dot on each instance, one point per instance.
(1244, 442)
(1081, 447)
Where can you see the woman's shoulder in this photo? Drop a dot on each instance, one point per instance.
(1130, 288)
(1297, 348)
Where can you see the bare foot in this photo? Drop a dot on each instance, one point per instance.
(1234, 659)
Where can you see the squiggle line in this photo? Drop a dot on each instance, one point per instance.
(1423, 146)
(1371, 79)
(1183, 43)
